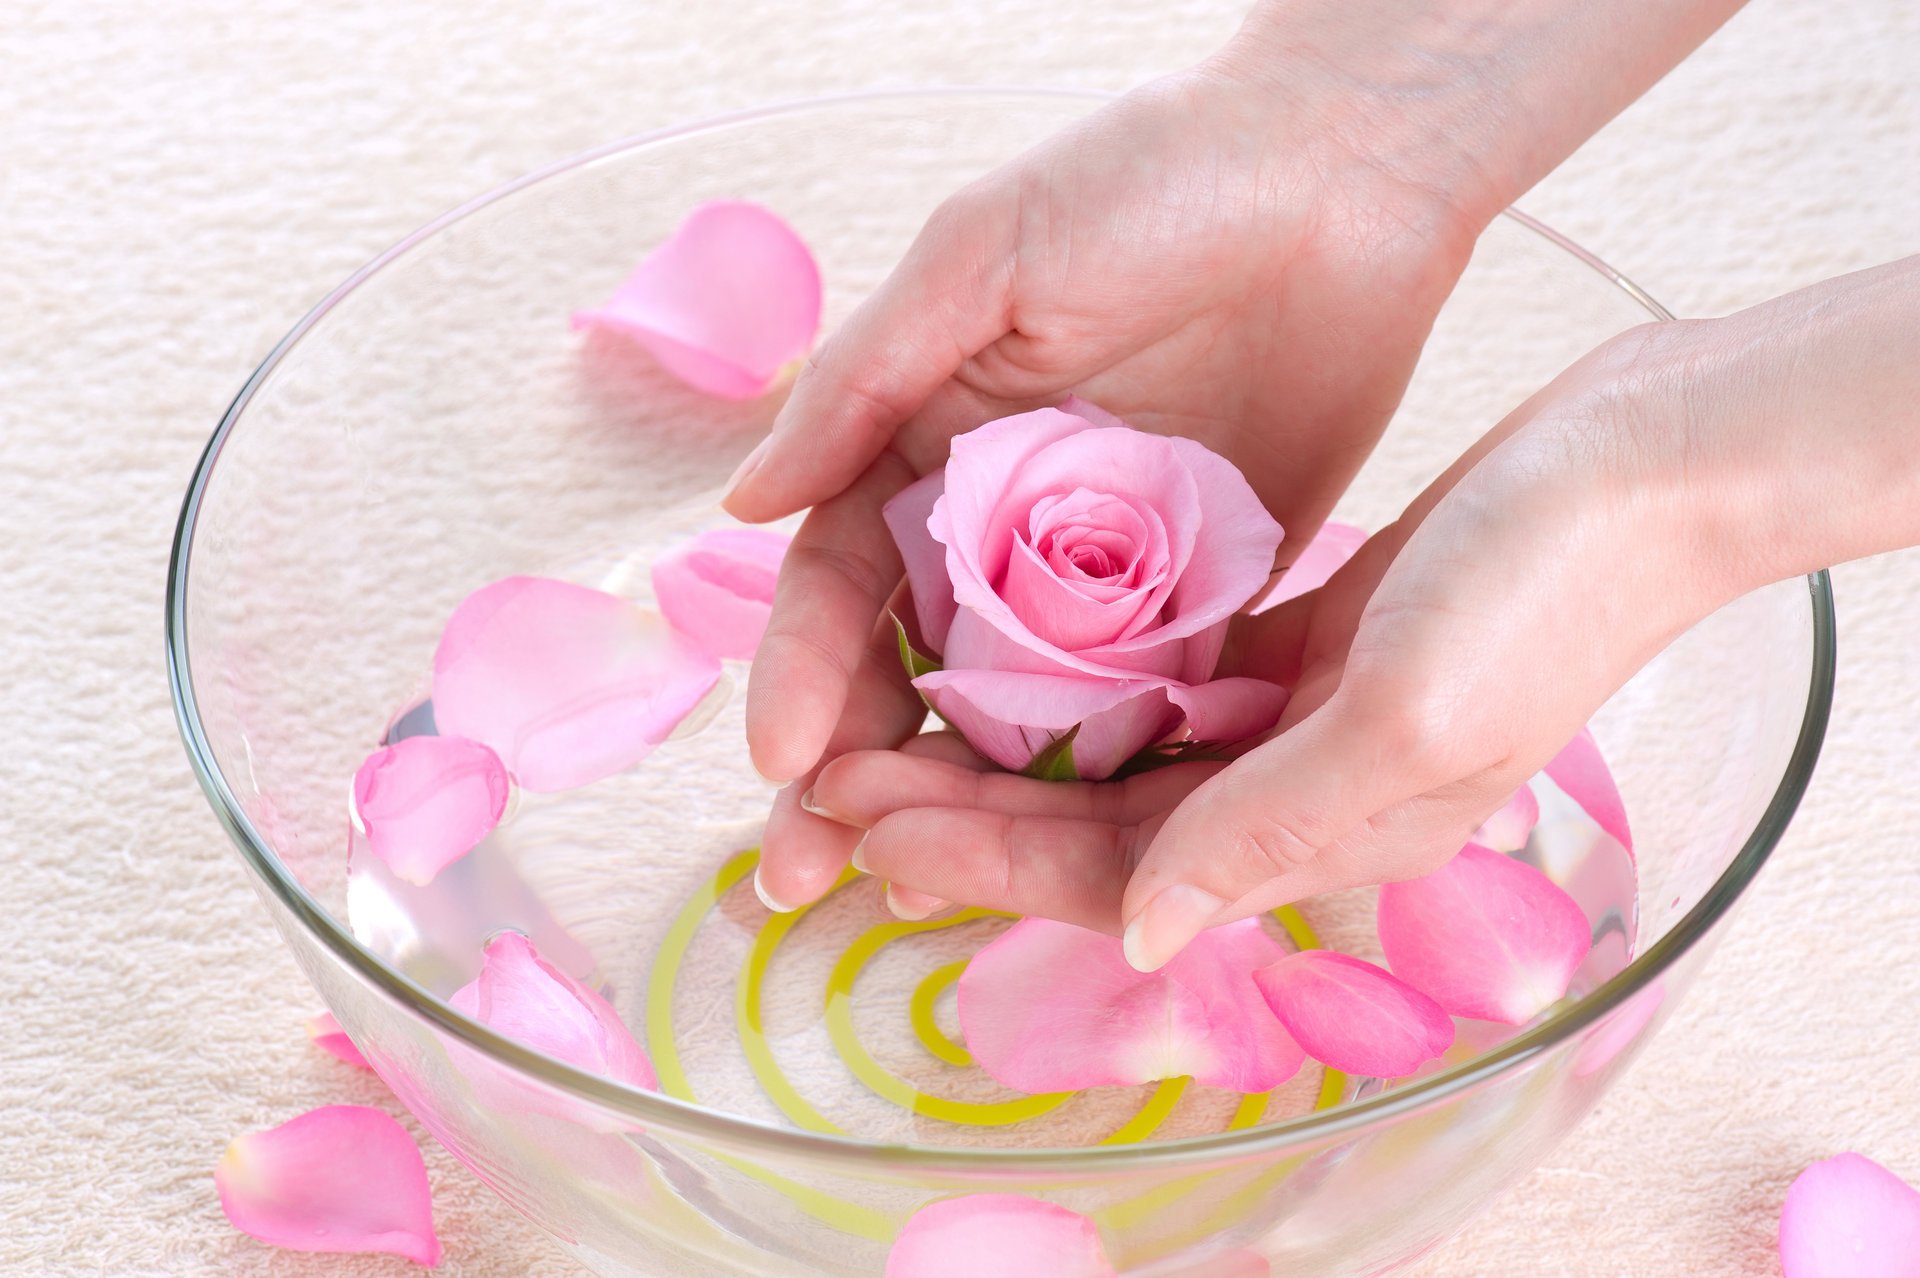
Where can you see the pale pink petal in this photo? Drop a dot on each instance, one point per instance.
(1330, 548)
(327, 1035)
(1849, 1217)
(1048, 584)
(1484, 936)
(717, 589)
(1582, 775)
(523, 997)
(1009, 717)
(1229, 710)
(727, 302)
(1048, 1007)
(1356, 1017)
(975, 642)
(425, 802)
(1508, 829)
(566, 684)
(339, 1178)
(1086, 411)
(997, 1236)
(906, 514)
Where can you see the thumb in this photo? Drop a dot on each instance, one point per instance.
(946, 300)
(1342, 799)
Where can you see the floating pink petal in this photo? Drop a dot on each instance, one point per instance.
(1331, 547)
(1052, 1008)
(1508, 829)
(1356, 1017)
(1484, 936)
(340, 1178)
(1849, 1217)
(1581, 773)
(520, 995)
(425, 802)
(717, 589)
(566, 684)
(327, 1035)
(998, 1236)
(725, 304)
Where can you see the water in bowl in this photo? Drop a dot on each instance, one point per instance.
(838, 1018)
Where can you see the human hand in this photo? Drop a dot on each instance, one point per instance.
(1674, 468)
(1207, 244)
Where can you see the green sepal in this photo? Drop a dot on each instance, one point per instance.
(1055, 763)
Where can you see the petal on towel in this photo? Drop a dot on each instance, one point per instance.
(565, 683)
(1358, 1018)
(725, 304)
(425, 802)
(717, 588)
(1484, 936)
(327, 1035)
(1849, 1217)
(997, 1236)
(1093, 1021)
(339, 1178)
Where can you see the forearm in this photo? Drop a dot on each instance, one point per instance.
(1791, 438)
(1477, 99)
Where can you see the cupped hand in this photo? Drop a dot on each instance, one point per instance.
(1208, 256)
(1441, 667)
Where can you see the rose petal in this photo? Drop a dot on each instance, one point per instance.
(566, 684)
(1048, 1008)
(327, 1035)
(1849, 1217)
(339, 1178)
(724, 304)
(906, 514)
(997, 1236)
(1089, 412)
(1484, 936)
(1330, 548)
(1508, 829)
(1010, 717)
(717, 589)
(999, 471)
(522, 996)
(1356, 1017)
(1229, 710)
(1580, 770)
(425, 802)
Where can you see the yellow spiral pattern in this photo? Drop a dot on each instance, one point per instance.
(850, 1217)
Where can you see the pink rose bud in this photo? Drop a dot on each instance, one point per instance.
(1075, 577)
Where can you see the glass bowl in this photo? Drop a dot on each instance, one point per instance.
(435, 424)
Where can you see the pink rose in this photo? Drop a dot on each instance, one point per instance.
(1075, 575)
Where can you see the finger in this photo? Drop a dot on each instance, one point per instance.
(912, 906)
(945, 301)
(802, 854)
(1268, 816)
(1054, 867)
(862, 787)
(836, 579)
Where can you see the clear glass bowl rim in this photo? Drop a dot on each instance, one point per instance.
(694, 1121)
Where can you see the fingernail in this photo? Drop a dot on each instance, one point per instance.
(748, 464)
(902, 903)
(859, 858)
(767, 898)
(809, 804)
(1171, 919)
